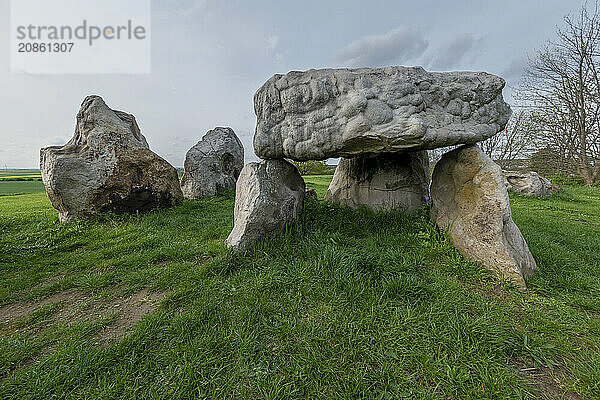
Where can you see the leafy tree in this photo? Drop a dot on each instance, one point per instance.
(547, 161)
(311, 167)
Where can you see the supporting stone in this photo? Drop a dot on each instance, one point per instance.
(384, 182)
(269, 195)
(471, 202)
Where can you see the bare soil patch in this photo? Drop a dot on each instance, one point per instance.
(73, 306)
(14, 312)
(495, 292)
(130, 310)
(547, 383)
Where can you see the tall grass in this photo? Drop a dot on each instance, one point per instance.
(344, 304)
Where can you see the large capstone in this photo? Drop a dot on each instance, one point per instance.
(319, 114)
(470, 201)
(527, 183)
(213, 164)
(106, 167)
(269, 195)
(385, 182)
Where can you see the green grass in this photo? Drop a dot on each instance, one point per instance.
(19, 187)
(344, 305)
(318, 182)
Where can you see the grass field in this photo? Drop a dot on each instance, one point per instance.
(344, 305)
(19, 173)
(19, 187)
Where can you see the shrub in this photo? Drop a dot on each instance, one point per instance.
(312, 167)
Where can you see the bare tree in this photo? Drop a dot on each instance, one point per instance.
(561, 86)
(557, 143)
(514, 143)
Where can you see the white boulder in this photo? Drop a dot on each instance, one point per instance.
(470, 201)
(106, 167)
(527, 183)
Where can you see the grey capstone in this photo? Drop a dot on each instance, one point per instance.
(106, 167)
(385, 182)
(269, 195)
(470, 201)
(213, 164)
(319, 114)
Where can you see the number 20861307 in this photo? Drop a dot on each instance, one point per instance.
(35, 47)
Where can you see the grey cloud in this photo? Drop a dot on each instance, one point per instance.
(210, 56)
(272, 49)
(454, 51)
(514, 71)
(184, 9)
(272, 43)
(396, 46)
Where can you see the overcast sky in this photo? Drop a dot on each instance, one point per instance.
(209, 57)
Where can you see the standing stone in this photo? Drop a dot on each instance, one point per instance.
(385, 182)
(213, 164)
(106, 167)
(269, 195)
(327, 113)
(527, 183)
(471, 202)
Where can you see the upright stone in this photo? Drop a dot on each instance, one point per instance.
(269, 195)
(106, 167)
(213, 164)
(471, 202)
(385, 182)
(319, 114)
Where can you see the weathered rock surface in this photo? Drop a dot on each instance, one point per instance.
(385, 182)
(527, 183)
(471, 202)
(319, 114)
(213, 164)
(269, 195)
(106, 167)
